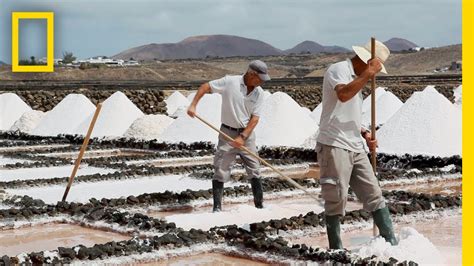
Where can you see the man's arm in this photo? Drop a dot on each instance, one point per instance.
(345, 92)
(240, 140)
(203, 89)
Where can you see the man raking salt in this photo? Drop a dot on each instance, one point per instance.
(340, 148)
(242, 100)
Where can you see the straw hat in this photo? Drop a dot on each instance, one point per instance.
(381, 52)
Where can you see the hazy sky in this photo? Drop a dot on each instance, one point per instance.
(106, 27)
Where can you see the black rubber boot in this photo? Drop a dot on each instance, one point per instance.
(257, 191)
(384, 223)
(217, 191)
(333, 229)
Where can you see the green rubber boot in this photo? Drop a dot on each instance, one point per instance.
(257, 192)
(384, 223)
(217, 192)
(333, 228)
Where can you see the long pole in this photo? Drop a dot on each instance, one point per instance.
(373, 154)
(83, 149)
(291, 181)
(373, 122)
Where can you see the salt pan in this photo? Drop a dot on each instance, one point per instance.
(426, 124)
(240, 215)
(149, 127)
(65, 117)
(117, 115)
(12, 107)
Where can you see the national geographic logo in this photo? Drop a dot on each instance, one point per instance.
(49, 17)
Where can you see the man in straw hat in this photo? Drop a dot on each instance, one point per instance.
(340, 146)
(242, 100)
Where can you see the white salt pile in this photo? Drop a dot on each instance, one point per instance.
(316, 113)
(28, 121)
(174, 101)
(283, 122)
(412, 246)
(179, 111)
(306, 110)
(188, 130)
(12, 107)
(117, 115)
(386, 105)
(458, 96)
(366, 104)
(65, 117)
(427, 124)
(266, 94)
(148, 127)
(191, 96)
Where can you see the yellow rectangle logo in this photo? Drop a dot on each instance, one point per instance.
(49, 16)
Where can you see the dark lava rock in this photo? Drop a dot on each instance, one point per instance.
(66, 252)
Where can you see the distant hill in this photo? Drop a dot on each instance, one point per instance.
(201, 47)
(399, 44)
(423, 62)
(2, 63)
(315, 48)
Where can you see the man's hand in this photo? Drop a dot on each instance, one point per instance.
(372, 144)
(192, 111)
(374, 67)
(238, 142)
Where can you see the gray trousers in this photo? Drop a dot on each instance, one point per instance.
(340, 168)
(225, 157)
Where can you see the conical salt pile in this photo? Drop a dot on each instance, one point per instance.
(427, 124)
(458, 96)
(65, 117)
(117, 115)
(283, 122)
(149, 127)
(28, 121)
(188, 130)
(174, 101)
(12, 107)
(316, 113)
(386, 105)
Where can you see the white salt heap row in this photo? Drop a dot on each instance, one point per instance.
(65, 117)
(149, 127)
(386, 105)
(175, 101)
(117, 115)
(186, 129)
(12, 107)
(428, 124)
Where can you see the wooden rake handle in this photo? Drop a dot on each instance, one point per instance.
(83, 150)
